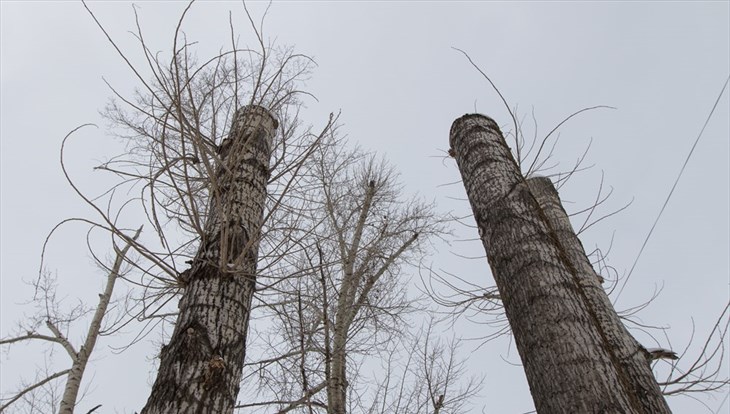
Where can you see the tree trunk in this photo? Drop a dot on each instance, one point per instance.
(346, 309)
(81, 358)
(201, 367)
(577, 355)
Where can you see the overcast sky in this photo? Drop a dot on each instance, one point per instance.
(391, 70)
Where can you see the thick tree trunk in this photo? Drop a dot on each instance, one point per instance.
(201, 367)
(577, 355)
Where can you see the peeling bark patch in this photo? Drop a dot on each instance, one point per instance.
(213, 376)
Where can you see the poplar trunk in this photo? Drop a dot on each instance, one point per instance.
(577, 355)
(201, 367)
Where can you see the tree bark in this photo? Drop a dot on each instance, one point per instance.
(577, 356)
(361, 272)
(346, 310)
(201, 366)
(81, 358)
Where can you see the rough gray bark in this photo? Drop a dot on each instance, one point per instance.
(201, 367)
(577, 356)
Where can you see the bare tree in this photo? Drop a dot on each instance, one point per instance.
(57, 323)
(563, 323)
(258, 217)
(349, 299)
(215, 146)
(483, 304)
(201, 366)
(430, 379)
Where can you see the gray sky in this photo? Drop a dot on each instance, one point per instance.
(391, 69)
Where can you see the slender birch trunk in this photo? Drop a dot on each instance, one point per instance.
(361, 271)
(577, 355)
(201, 367)
(346, 311)
(81, 357)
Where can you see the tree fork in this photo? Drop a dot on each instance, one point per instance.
(578, 356)
(81, 358)
(201, 367)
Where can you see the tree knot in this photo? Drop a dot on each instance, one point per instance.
(214, 372)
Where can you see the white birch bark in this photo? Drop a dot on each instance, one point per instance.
(357, 283)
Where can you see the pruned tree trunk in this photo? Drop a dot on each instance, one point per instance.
(577, 356)
(201, 367)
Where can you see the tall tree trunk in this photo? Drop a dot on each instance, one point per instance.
(201, 367)
(346, 309)
(577, 355)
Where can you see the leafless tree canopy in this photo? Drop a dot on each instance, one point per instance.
(323, 243)
(345, 297)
